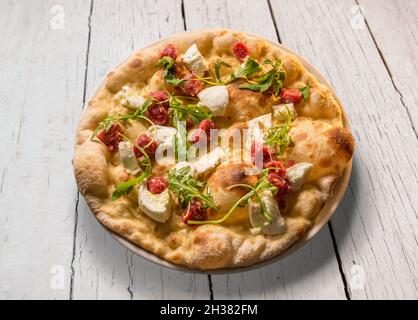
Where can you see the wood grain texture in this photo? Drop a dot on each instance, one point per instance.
(310, 273)
(103, 268)
(376, 225)
(41, 75)
(394, 25)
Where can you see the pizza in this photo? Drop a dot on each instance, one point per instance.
(212, 149)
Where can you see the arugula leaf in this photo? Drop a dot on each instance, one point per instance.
(180, 139)
(263, 83)
(279, 135)
(218, 67)
(167, 63)
(247, 69)
(126, 187)
(195, 112)
(187, 188)
(273, 78)
(305, 92)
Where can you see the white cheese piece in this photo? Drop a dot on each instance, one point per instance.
(194, 60)
(277, 225)
(298, 174)
(130, 99)
(281, 110)
(183, 164)
(128, 158)
(258, 127)
(155, 206)
(214, 98)
(209, 160)
(163, 134)
(257, 130)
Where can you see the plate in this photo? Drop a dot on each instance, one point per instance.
(327, 211)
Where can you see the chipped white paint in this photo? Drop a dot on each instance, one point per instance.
(42, 70)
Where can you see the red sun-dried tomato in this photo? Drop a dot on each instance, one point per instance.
(204, 127)
(279, 165)
(169, 51)
(157, 184)
(144, 141)
(240, 51)
(281, 183)
(111, 137)
(159, 95)
(158, 114)
(267, 153)
(191, 87)
(290, 163)
(194, 212)
(279, 179)
(291, 95)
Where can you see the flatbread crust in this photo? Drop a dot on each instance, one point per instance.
(318, 134)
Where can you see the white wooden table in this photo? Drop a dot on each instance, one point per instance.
(53, 53)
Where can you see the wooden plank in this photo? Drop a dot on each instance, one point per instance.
(42, 75)
(376, 225)
(394, 26)
(103, 268)
(311, 272)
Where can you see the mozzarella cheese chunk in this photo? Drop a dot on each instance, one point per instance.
(277, 225)
(130, 99)
(183, 164)
(258, 127)
(163, 134)
(194, 60)
(209, 160)
(298, 174)
(281, 110)
(215, 98)
(128, 158)
(155, 206)
(257, 130)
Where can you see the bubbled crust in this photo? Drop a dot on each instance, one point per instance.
(213, 246)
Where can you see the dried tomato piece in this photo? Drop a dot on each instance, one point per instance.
(291, 95)
(111, 137)
(240, 51)
(204, 127)
(169, 51)
(290, 163)
(267, 153)
(162, 97)
(192, 86)
(278, 177)
(280, 182)
(158, 114)
(149, 147)
(279, 165)
(157, 184)
(194, 212)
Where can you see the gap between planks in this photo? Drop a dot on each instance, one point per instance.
(78, 192)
